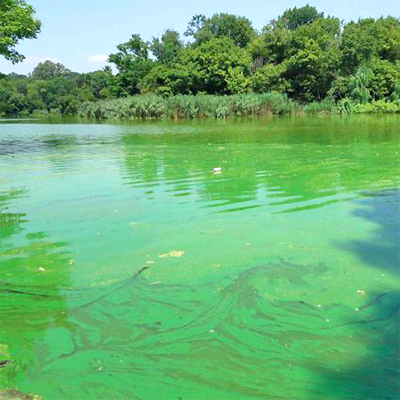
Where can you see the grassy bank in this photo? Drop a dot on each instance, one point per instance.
(210, 106)
(181, 106)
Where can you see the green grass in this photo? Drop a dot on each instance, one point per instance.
(210, 106)
(186, 106)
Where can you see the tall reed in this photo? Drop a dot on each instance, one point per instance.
(187, 106)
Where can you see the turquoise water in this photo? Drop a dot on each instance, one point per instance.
(130, 269)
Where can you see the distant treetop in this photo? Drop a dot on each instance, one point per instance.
(295, 17)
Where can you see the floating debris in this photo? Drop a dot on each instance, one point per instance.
(173, 253)
(15, 395)
(3, 363)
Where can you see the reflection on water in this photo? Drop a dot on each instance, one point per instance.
(130, 269)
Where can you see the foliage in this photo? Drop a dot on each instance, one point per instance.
(369, 38)
(378, 106)
(238, 29)
(319, 107)
(295, 17)
(217, 66)
(385, 77)
(303, 57)
(168, 48)
(181, 106)
(358, 85)
(16, 22)
(165, 80)
(48, 70)
(270, 77)
(133, 64)
(21, 96)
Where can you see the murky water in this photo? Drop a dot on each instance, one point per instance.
(131, 270)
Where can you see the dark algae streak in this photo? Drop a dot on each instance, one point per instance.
(246, 259)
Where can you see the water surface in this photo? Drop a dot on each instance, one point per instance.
(129, 269)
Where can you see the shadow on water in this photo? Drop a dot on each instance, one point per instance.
(375, 373)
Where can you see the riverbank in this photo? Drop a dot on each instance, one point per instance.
(211, 106)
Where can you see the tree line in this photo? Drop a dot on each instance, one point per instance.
(303, 54)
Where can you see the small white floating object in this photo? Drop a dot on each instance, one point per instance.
(217, 169)
(42, 269)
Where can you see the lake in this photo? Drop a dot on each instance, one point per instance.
(249, 259)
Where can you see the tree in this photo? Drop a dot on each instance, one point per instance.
(308, 58)
(97, 83)
(277, 41)
(313, 59)
(238, 29)
(295, 17)
(167, 49)
(358, 85)
(133, 64)
(16, 22)
(167, 81)
(217, 66)
(367, 39)
(385, 78)
(270, 77)
(49, 70)
(12, 102)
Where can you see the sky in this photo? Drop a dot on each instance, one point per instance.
(81, 33)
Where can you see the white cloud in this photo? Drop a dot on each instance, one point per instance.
(98, 58)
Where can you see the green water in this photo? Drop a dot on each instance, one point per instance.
(277, 278)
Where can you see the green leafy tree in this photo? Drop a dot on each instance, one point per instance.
(313, 59)
(12, 102)
(168, 48)
(270, 77)
(367, 39)
(238, 29)
(49, 70)
(276, 39)
(133, 64)
(217, 66)
(384, 80)
(17, 22)
(97, 83)
(295, 17)
(167, 81)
